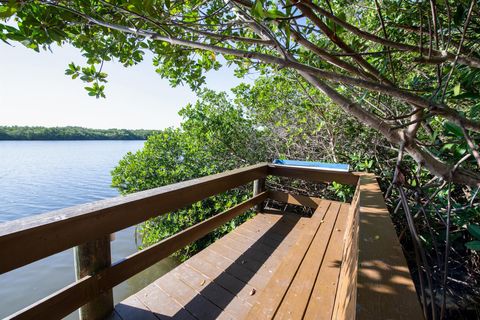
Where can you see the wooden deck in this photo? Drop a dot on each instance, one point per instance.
(343, 262)
(276, 265)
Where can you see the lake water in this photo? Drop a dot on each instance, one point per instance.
(40, 176)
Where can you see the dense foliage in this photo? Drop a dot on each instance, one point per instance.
(219, 133)
(70, 133)
(215, 136)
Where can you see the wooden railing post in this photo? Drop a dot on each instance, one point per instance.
(90, 258)
(258, 187)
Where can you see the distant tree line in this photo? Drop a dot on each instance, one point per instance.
(71, 133)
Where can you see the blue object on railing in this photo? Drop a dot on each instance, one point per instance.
(314, 165)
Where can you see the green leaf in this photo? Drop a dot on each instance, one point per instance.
(467, 95)
(288, 4)
(456, 90)
(473, 245)
(287, 34)
(458, 16)
(453, 129)
(342, 16)
(8, 10)
(257, 9)
(275, 13)
(475, 111)
(474, 230)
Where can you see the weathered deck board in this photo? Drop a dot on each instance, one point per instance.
(320, 305)
(162, 305)
(297, 298)
(265, 268)
(268, 303)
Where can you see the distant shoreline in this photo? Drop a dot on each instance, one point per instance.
(26, 133)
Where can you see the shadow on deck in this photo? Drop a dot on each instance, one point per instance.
(223, 279)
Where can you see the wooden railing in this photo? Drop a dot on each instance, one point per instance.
(375, 282)
(374, 279)
(88, 228)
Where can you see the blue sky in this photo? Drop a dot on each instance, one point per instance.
(35, 91)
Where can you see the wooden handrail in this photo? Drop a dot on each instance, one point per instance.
(375, 281)
(314, 175)
(27, 240)
(70, 298)
(385, 289)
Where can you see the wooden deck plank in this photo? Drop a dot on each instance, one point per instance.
(255, 231)
(161, 305)
(218, 295)
(297, 297)
(247, 241)
(272, 218)
(232, 284)
(114, 316)
(194, 303)
(133, 308)
(262, 222)
(282, 230)
(235, 270)
(257, 256)
(255, 234)
(241, 242)
(263, 218)
(322, 299)
(268, 302)
(234, 255)
(257, 279)
(229, 271)
(268, 267)
(231, 264)
(295, 199)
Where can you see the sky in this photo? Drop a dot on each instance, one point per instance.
(35, 91)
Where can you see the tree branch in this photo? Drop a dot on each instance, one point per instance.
(462, 59)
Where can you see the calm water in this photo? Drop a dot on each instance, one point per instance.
(40, 176)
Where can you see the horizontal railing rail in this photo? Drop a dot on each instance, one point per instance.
(28, 240)
(314, 175)
(74, 296)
